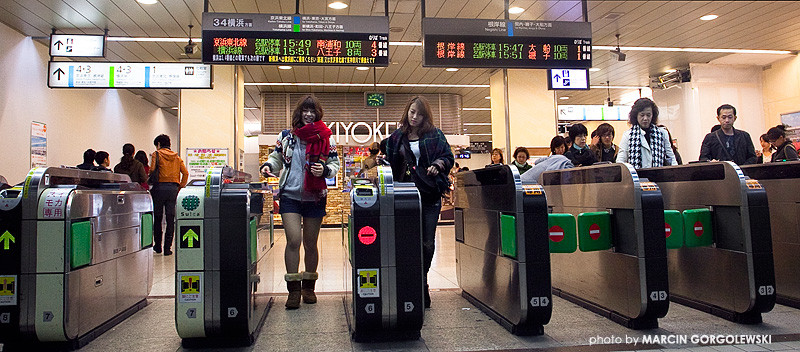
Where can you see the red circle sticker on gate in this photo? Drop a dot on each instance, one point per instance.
(556, 234)
(367, 235)
(594, 231)
(667, 229)
(698, 229)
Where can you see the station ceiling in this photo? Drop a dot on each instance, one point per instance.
(767, 25)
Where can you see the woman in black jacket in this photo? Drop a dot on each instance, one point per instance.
(419, 152)
(784, 149)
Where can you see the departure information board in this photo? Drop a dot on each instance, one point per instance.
(324, 40)
(72, 74)
(449, 42)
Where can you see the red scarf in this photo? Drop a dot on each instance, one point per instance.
(318, 145)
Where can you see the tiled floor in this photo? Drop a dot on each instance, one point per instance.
(452, 324)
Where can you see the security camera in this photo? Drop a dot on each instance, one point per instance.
(619, 54)
(190, 48)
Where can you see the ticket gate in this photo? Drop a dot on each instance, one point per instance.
(724, 266)
(502, 256)
(75, 256)
(223, 281)
(383, 262)
(621, 270)
(781, 181)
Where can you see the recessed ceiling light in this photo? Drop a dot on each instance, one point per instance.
(451, 69)
(361, 68)
(338, 5)
(563, 98)
(516, 10)
(594, 69)
(709, 17)
(147, 2)
(284, 67)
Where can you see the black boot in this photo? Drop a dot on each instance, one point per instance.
(427, 297)
(168, 244)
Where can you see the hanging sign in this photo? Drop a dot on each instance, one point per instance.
(80, 45)
(73, 74)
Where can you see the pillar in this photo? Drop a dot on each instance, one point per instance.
(531, 106)
(214, 118)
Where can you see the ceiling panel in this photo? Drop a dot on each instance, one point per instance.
(742, 24)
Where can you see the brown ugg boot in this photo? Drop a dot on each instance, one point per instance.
(309, 281)
(294, 286)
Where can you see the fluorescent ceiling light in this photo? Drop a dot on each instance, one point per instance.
(693, 50)
(361, 68)
(487, 97)
(151, 39)
(284, 67)
(516, 10)
(476, 109)
(174, 108)
(147, 2)
(477, 123)
(406, 43)
(252, 108)
(337, 5)
(709, 17)
(613, 87)
(594, 69)
(563, 98)
(477, 134)
(412, 85)
(451, 69)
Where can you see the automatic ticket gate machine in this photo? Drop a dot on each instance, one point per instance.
(74, 256)
(502, 255)
(384, 260)
(781, 182)
(223, 282)
(723, 265)
(620, 271)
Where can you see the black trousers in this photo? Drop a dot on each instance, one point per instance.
(164, 197)
(430, 218)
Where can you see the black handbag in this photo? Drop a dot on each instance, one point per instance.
(153, 178)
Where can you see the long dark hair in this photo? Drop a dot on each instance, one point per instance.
(776, 132)
(423, 109)
(638, 106)
(142, 157)
(307, 102)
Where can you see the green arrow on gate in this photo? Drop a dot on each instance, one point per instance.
(190, 236)
(5, 238)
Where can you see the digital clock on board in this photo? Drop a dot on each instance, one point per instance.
(375, 99)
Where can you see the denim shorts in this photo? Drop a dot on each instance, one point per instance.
(305, 209)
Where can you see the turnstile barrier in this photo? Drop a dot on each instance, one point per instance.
(621, 270)
(75, 257)
(781, 182)
(383, 267)
(726, 265)
(502, 252)
(223, 281)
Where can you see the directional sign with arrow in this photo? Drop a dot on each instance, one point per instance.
(190, 236)
(77, 45)
(59, 72)
(5, 238)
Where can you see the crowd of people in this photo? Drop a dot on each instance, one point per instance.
(164, 175)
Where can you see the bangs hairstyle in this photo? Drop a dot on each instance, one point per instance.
(638, 106)
(424, 109)
(308, 102)
(556, 142)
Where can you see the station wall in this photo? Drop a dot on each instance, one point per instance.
(77, 119)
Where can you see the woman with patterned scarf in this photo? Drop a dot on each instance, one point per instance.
(308, 156)
(645, 145)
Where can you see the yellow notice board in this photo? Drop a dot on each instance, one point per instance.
(190, 288)
(368, 283)
(8, 290)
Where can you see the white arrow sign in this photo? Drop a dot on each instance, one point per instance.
(77, 45)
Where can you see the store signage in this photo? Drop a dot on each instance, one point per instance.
(280, 39)
(369, 131)
(593, 112)
(78, 45)
(568, 79)
(71, 74)
(450, 42)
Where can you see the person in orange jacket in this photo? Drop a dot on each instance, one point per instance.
(171, 177)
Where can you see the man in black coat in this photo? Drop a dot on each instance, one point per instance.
(728, 143)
